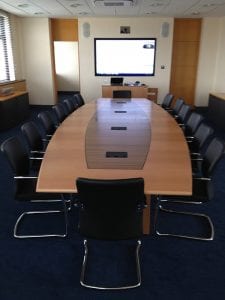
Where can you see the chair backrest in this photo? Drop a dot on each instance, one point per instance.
(212, 155)
(184, 112)
(193, 122)
(47, 122)
(59, 112)
(17, 155)
(75, 101)
(70, 106)
(79, 99)
(111, 209)
(177, 106)
(122, 94)
(167, 101)
(32, 136)
(202, 134)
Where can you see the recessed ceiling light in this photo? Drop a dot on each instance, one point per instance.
(150, 13)
(75, 5)
(23, 5)
(38, 13)
(209, 4)
(156, 4)
(196, 13)
(83, 13)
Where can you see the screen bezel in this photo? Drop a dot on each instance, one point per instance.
(125, 74)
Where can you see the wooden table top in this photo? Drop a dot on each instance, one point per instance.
(166, 168)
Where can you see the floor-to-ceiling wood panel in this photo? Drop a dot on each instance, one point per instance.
(186, 40)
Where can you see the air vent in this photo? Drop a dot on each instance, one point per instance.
(114, 3)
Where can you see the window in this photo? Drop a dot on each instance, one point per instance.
(7, 72)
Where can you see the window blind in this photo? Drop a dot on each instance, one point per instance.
(7, 72)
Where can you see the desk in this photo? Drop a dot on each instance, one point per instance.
(216, 109)
(14, 109)
(166, 169)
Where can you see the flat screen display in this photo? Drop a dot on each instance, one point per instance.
(125, 57)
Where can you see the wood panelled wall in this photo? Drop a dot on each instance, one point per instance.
(186, 40)
(64, 29)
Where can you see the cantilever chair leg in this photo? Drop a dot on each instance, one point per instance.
(82, 277)
(64, 234)
(209, 238)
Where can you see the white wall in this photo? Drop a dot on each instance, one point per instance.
(110, 27)
(219, 84)
(210, 47)
(37, 60)
(36, 65)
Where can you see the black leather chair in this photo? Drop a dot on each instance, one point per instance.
(110, 210)
(167, 101)
(60, 113)
(47, 123)
(70, 106)
(202, 191)
(198, 141)
(183, 114)
(192, 123)
(77, 98)
(176, 108)
(34, 139)
(204, 163)
(122, 94)
(25, 188)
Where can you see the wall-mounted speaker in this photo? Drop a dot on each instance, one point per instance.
(165, 29)
(86, 29)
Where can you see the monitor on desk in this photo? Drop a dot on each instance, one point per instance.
(116, 81)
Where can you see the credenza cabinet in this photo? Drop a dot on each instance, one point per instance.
(216, 110)
(13, 109)
(136, 91)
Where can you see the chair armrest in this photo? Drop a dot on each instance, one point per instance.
(197, 159)
(35, 151)
(195, 154)
(25, 177)
(190, 137)
(36, 158)
(202, 178)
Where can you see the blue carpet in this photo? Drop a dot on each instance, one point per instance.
(49, 269)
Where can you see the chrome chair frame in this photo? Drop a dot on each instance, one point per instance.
(209, 238)
(36, 212)
(138, 270)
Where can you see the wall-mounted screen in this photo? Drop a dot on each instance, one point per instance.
(125, 57)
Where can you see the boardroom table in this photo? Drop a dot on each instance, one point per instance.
(116, 139)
